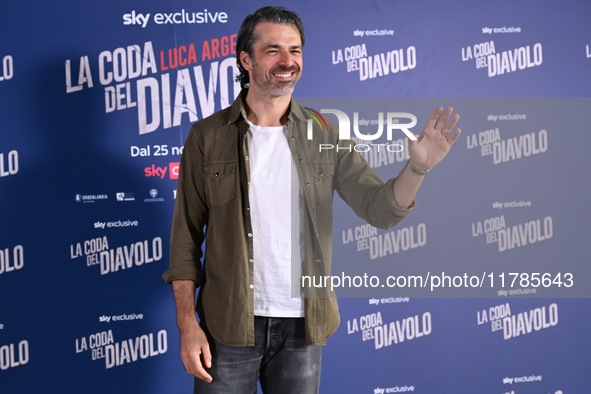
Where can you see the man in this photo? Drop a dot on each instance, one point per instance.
(251, 185)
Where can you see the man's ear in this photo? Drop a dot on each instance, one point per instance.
(245, 61)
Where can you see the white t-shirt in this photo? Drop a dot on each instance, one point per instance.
(275, 209)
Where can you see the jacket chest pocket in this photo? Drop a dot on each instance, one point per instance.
(323, 173)
(220, 182)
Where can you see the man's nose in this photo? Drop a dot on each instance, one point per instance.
(286, 59)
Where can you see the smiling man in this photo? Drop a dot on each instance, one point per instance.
(259, 194)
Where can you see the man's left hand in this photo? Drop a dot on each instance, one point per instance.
(436, 139)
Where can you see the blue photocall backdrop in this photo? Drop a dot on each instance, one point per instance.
(97, 99)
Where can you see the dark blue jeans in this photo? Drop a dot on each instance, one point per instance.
(279, 358)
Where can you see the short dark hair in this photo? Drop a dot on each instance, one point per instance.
(246, 36)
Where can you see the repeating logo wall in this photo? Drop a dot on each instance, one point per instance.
(484, 280)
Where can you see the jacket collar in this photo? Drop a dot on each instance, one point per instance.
(237, 109)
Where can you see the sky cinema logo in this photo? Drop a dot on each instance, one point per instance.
(344, 125)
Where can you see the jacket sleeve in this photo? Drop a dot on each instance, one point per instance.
(189, 217)
(365, 191)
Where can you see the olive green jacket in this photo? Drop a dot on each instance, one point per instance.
(212, 206)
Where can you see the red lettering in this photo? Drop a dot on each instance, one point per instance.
(215, 48)
(225, 46)
(182, 61)
(233, 38)
(156, 171)
(219, 47)
(192, 54)
(162, 66)
(172, 58)
(205, 54)
(178, 57)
